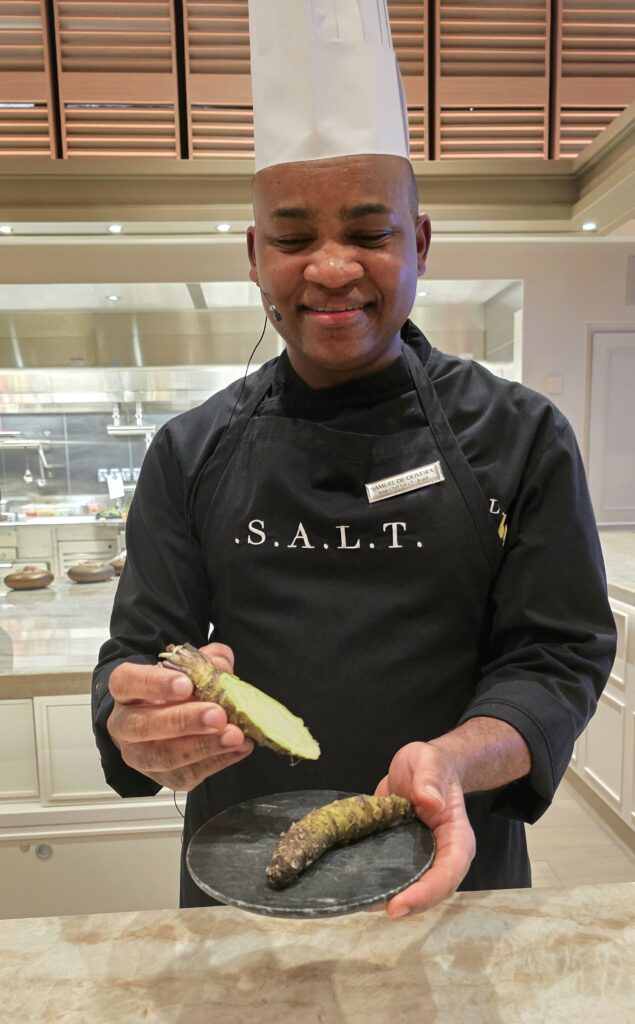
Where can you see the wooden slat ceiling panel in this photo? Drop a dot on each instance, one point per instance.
(507, 39)
(594, 70)
(26, 113)
(417, 132)
(580, 125)
(408, 24)
(22, 40)
(117, 77)
(133, 129)
(118, 36)
(221, 130)
(118, 90)
(492, 82)
(217, 68)
(492, 132)
(598, 39)
(217, 37)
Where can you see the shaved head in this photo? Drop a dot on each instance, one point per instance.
(397, 167)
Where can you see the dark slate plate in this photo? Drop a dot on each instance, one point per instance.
(228, 855)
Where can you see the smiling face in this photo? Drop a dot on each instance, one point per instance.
(337, 248)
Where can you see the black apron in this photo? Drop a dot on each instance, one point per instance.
(369, 621)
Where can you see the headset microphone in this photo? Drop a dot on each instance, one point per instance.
(276, 315)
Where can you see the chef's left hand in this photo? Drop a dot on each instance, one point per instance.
(424, 774)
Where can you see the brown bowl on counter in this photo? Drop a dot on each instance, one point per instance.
(118, 562)
(30, 577)
(90, 572)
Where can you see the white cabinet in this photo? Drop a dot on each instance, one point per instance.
(85, 542)
(35, 542)
(68, 843)
(8, 545)
(604, 756)
(68, 759)
(19, 776)
(88, 874)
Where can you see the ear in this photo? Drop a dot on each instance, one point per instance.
(423, 233)
(251, 252)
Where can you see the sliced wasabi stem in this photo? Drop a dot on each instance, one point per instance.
(262, 718)
(333, 824)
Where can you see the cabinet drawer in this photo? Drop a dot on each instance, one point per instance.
(8, 553)
(35, 542)
(70, 768)
(18, 778)
(8, 536)
(88, 875)
(70, 552)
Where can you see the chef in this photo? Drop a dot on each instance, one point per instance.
(393, 542)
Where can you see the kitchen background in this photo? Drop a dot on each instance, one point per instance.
(125, 176)
(133, 364)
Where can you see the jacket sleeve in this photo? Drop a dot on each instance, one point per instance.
(552, 640)
(162, 596)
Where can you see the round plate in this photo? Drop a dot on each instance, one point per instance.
(228, 855)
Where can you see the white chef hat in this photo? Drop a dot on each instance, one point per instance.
(325, 81)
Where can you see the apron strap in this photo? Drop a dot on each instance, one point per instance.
(230, 439)
(458, 465)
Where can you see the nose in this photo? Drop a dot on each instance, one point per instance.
(333, 266)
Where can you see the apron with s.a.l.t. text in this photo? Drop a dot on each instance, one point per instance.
(368, 619)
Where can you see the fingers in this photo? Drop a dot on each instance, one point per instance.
(168, 755)
(130, 683)
(221, 655)
(383, 788)
(187, 777)
(455, 847)
(173, 745)
(141, 723)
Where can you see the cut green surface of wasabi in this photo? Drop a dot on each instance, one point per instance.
(262, 718)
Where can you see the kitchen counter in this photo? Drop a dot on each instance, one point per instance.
(62, 521)
(521, 956)
(50, 639)
(618, 547)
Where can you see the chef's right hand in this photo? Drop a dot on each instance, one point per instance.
(166, 735)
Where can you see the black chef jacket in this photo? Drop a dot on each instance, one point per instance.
(551, 636)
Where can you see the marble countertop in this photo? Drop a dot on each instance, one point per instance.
(618, 546)
(517, 956)
(50, 639)
(62, 521)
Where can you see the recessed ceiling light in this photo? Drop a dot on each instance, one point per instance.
(115, 229)
(223, 227)
(422, 294)
(589, 225)
(5, 229)
(113, 298)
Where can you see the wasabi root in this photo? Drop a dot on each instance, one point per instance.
(264, 720)
(333, 824)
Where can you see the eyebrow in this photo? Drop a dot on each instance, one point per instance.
(346, 212)
(363, 210)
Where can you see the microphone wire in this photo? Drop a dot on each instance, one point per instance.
(242, 388)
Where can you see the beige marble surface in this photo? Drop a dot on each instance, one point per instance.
(518, 957)
(60, 520)
(50, 639)
(618, 546)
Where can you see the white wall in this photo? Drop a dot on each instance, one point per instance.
(458, 330)
(570, 289)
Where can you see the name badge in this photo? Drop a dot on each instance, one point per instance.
(401, 483)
